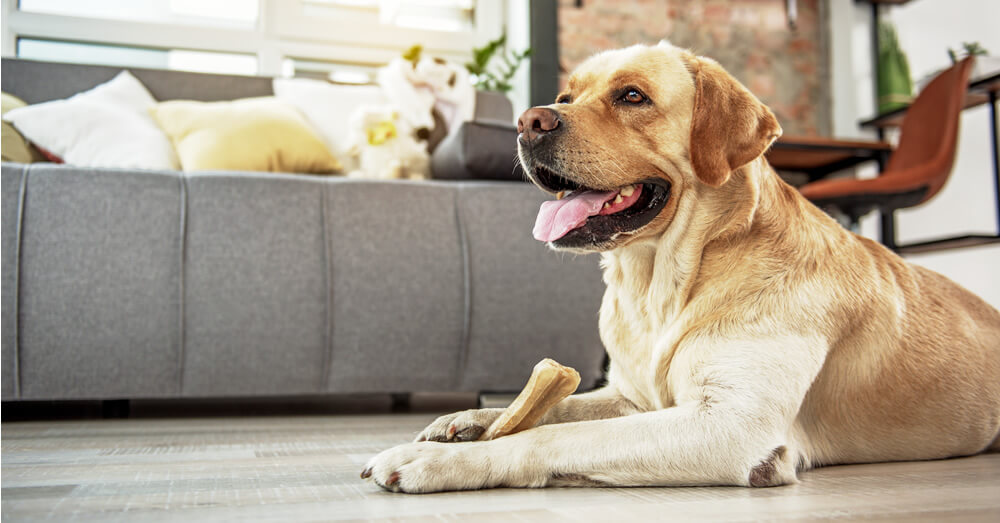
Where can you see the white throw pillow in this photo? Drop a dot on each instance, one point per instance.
(328, 107)
(107, 126)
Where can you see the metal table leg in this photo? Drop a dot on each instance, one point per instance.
(996, 155)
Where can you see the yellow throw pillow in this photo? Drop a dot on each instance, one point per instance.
(15, 148)
(252, 134)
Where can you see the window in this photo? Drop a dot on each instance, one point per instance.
(431, 15)
(447, 28)
(123, 56)
(346, 38)
(74, 52)
(338, 72)
(241, 13)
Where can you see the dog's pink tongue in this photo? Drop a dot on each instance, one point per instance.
(558, 217)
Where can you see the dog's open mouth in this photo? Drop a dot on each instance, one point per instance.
(592, 217)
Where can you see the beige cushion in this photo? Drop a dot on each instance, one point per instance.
(251, 134)
(15, 147)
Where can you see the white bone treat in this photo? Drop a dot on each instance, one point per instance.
(549, 383)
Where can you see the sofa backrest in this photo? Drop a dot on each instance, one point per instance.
(36, 82)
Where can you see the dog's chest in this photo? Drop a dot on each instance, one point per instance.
(640, 345)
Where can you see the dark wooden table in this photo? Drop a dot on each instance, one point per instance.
(818, 157)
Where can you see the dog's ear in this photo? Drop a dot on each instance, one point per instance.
(730, 127)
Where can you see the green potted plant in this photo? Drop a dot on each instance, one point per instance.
(493, 67)
(986, 65)
(895, 88)
(968, 49)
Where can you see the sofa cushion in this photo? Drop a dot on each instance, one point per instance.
(399, 288)
(98, 282)
(12, 193)
(107, 126)
(255, 319)
(252, 134)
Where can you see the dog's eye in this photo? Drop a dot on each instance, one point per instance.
(633, 96)
(564, 99)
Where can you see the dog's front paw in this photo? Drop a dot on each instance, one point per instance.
(429, 467)
(467, 425)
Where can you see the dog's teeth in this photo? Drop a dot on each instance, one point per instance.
(618, 199)
(560, 195)
(607, 204)
(627, 191)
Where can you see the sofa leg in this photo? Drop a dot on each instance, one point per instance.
(400, 401)
(115, 409)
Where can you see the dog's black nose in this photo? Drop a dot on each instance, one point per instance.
(536, 122)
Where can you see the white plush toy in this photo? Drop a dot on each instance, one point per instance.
(385, 147)
(429, 83)
(384, 138)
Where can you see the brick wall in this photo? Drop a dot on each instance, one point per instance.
(786, 69)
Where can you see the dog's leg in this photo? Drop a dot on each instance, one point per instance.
(675, 446)
(603, 403)
(469, 425)
(734, 409)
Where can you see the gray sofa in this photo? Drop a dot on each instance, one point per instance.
(129, 284)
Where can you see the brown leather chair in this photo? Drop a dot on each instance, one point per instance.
(919, 166)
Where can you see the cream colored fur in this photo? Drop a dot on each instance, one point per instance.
(750, 336)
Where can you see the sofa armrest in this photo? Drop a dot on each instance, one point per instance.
(478, 150)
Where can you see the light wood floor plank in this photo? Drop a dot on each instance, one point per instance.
(305, 468)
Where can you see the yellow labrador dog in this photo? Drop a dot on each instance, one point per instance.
(750, 335)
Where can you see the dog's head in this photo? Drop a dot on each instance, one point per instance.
(633, 132)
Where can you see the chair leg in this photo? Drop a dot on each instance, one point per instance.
(853, 223)
(888, 232)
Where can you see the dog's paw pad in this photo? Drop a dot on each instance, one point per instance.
(472, 433)
(393, 479)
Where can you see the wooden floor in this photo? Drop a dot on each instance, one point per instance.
(305, 468)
